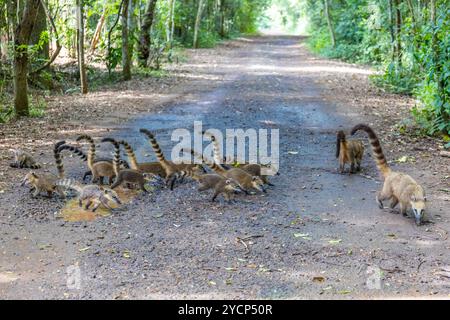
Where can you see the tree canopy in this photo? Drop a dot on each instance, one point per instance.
(407, 40)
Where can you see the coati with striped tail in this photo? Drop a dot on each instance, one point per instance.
(100, 169)
(244, 179)
(399, 187)
(23, 159)
(45, 182)
(92, 194)
(128, 176)
(349, 151)
(253, 169)
(217, 182)
(172, 170)
(149, 167)
(83, 157)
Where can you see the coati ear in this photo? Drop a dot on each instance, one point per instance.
(254, 178)
(228, 181)
(413, 198)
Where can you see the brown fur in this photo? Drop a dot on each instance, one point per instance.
(42, 183)
(171, 169)
(128, 176)
(349, 151)
(246, 181)
(399, 187)
(252, 169)
(92, 194)
(101, 169)
(218, 183)
(148, 167)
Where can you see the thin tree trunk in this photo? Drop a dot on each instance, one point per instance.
(126, 58)
(171, 23)
(391, 28)
(22, 39)
(98, 31)
(222, 19)
(398, 30)
(330, 24)
(412, 11)
(437, 61)
(80, 46)
(197, 22)
(145, 38)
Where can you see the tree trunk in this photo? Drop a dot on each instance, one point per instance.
(40, 26)
(197, 23)
(144, 38)
(172, 23)
(11, 8)
(438, 67)
(22, 39)
(330, 24)
(126, 58)
(98, 31)
(80, 46)
(398, 30)
(222, 19)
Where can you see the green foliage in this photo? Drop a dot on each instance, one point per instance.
(37, 107)
(365, 31)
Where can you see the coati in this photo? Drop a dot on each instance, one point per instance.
(92, 194)
(243, 178)
(42, 183)
(149, 167)
(172, 169)
(23, 159)
(399, 187)
(349, 151)
(46, 182)
(100, 169)
(217, 182)
(253, 169)
(83, 157)
(128, 176)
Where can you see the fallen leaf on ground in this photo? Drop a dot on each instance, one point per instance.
(344, 292)
(231, 269)
(319, 279)
(337, 241)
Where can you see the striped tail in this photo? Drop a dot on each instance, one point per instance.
(216, 148)
(70, 184)
(130, 153)
(91, 154)
(156, 148)
(58, 159)
(72, 149)
(339, 139)
(116, 159)
(215, 167)
(377, 151)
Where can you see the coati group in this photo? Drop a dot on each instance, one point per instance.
(398, 187)
(133, 174)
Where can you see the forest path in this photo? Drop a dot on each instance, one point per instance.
(315, 234)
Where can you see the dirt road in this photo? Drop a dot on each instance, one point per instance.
(315, 234)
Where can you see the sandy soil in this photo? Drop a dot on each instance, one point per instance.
(315, 234)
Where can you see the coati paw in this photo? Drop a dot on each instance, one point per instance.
(380, 203)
